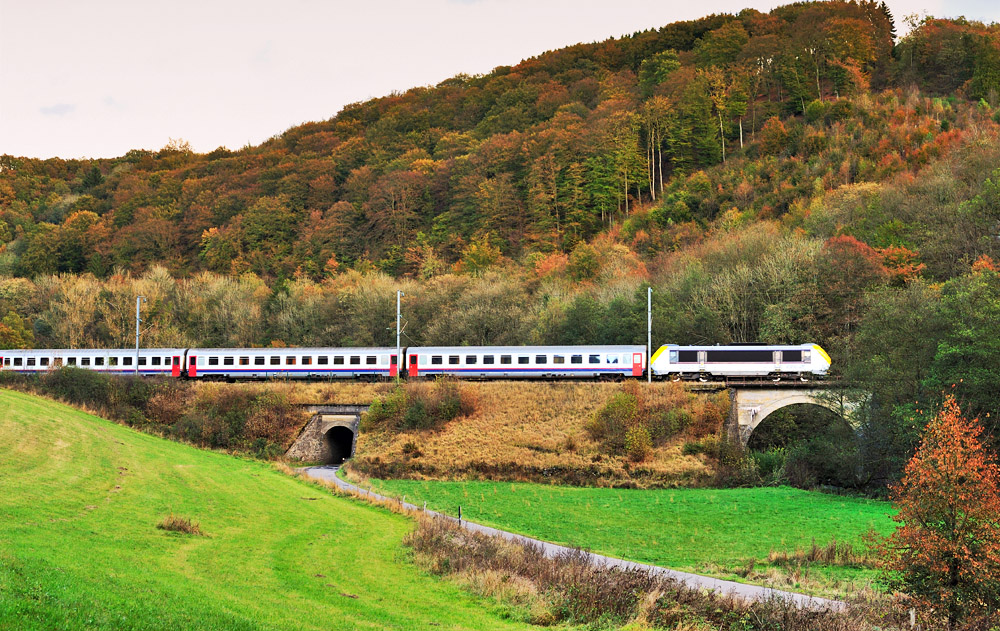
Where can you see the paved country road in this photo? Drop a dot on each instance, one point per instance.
(694, 581)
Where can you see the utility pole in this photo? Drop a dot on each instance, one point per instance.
(138, 300)
(399, 350)
(649, 335)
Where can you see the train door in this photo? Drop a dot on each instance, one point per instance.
(777, 361)
(192, 366)
(702, 356)
(636, 364)
(413, 365)
(175, 366)
(393, 368)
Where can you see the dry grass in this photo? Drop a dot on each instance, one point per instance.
(537, 432)
(568, 589)
(176, 523)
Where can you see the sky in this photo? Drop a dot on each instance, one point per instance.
(97, 78)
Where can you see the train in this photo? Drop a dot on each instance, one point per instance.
(598, 362)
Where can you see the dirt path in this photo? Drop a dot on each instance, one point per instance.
(694, 581)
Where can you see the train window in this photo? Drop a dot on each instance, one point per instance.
(323, 360)
(686, 357)
(176, 361)
(156, 361)
(791, 356)
(31, 361)
(142, 361)
(672, 357)
(71, 361)
(576, 359)
(453, 360)
(17, 361)
(227, 361)
(594, 359)
(244, 361)
(558, 359)
(258, 361)
(98, 361)
(523, 359)
(44, 361)
(290, 360)
(85, 361)
(541, 359)
(126, 361)
(355, 360)
(6, 361)
(487, 359)
(307, 360)
(112, 361)
(806, 356)
(392, 360)
(370, 360)
(740, 356)
(338, 360)
(383, 359)
(471, 359)
(436, 360)
(213, 361)
(612, 359)
(505, 359)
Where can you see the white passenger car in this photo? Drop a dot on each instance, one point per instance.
(526, 362)
(151, 361)
(291, 363)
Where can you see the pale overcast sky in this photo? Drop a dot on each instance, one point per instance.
(96, 78)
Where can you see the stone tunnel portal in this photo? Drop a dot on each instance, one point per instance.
(340, 444)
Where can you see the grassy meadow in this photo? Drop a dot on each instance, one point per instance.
(724, 532)
(80, 499)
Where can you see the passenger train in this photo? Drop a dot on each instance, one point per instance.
(671, 361)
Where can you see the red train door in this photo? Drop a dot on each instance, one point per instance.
(413, 365)
(393, 369)
(175, 366)
(192, 366)
(636, 364)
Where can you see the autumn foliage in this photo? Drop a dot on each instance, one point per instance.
(946, 552)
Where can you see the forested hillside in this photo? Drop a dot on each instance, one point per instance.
(784, 177)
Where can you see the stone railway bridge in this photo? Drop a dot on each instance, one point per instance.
(753, 401)
(330, 436)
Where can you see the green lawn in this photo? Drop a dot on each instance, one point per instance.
(688, 529)
(79, 501)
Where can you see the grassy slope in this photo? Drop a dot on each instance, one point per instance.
(519, 426)
(79, 499)
(703, 530)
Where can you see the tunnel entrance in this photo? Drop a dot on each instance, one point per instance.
(340, 444)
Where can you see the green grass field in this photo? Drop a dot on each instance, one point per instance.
(703, 530)
(79, 501)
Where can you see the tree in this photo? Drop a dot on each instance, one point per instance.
(946, 551)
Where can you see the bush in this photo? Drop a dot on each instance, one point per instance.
(419, 406)
(612, 421)
(78, 385)
(638, 444)
(770, 464)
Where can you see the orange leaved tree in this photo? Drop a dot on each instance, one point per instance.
(946, 552)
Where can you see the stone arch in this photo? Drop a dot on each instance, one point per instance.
(752, 406)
